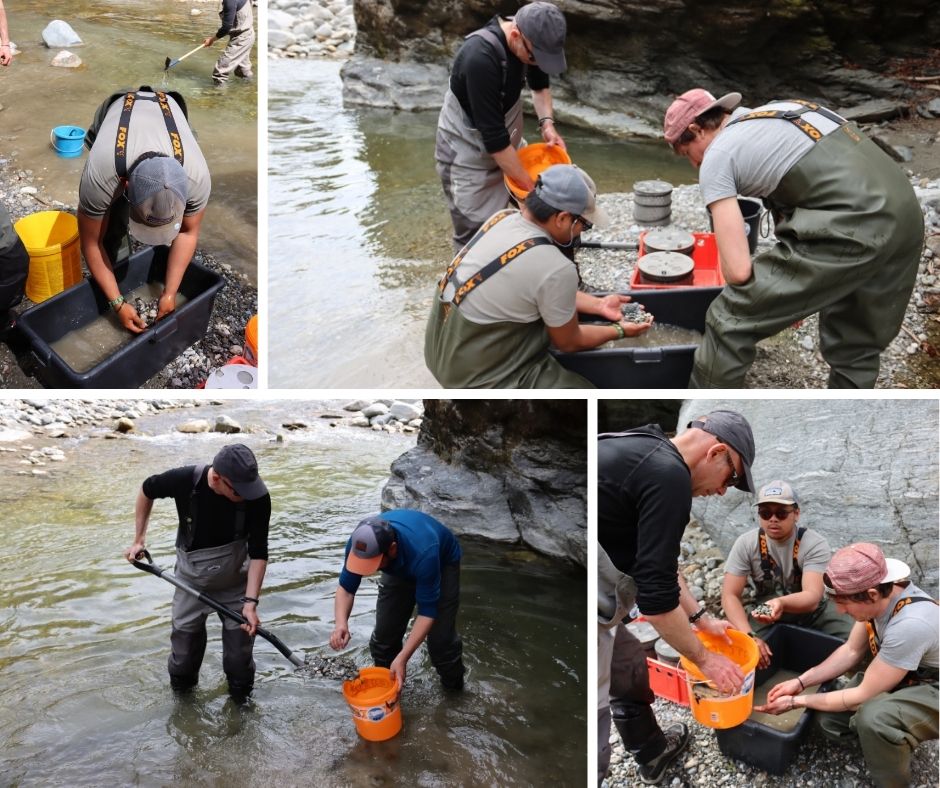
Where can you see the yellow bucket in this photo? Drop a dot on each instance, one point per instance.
(373, 699)
(55, 258)
(709, 706)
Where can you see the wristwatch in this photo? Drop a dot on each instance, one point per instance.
(245, 599)
(697, 614)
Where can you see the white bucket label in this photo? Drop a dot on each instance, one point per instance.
(376, 714)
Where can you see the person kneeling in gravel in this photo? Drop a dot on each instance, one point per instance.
(784, 563)
(489, 331)
(893, 705)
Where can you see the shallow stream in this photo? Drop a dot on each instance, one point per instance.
(84, 636)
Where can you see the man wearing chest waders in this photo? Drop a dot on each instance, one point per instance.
(221, 549)
(848, 225)
(419, 559)
(238, 25)
(512, 292)
(146, 175)
(480, 125)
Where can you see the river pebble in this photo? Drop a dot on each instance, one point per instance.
(818, 762)
(302, 29)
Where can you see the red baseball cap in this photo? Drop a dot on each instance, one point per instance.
(861, 566)
(685, 109)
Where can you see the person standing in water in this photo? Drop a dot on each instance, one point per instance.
(238, 25)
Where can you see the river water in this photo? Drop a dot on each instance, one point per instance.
(126, 44)
(359, 232)
(84, 636)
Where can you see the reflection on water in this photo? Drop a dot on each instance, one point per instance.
(359, 233)
(126, 43)
(659, 335)
(84, 635)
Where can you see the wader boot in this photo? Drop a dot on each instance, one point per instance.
(222, 573)
(464, 354)
(849, 237)
(14, 265)
(473, 182)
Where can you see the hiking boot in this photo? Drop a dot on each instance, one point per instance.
(677, 738)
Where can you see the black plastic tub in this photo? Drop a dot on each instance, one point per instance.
(135, 362)
(648, 367)
(757, 744)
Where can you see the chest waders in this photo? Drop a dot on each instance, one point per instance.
(221, 571)
(849, 237)
(769, 567)
(464, 354)
(473, 182)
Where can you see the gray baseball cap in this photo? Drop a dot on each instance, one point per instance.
(732, 428)
(237, 463)
(566, 187)
(778, 491)
(544, 25)
(157, 189)
(368, 545)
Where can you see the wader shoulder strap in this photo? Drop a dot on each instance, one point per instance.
(902, 603)
(493, 40)
(795, 116)
(487, 226)
(187, 536)
(495, 265)
(767, 562)
(120, 140)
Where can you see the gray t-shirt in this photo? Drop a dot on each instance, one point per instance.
(100, 184)
(910, 639)
(750, 158)
(744, 559)
(539, 284)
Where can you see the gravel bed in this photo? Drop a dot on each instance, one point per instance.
(818, 762)
(234, 305)
(790, 359)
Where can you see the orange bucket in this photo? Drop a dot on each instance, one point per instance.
(709, 706)
(373, 698)
(536, 157)
(251, 341)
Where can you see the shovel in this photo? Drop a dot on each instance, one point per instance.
(218, 607)
(170, 63)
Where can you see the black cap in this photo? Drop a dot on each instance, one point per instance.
(237, 463)
(732, 428)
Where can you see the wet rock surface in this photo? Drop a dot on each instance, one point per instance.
(329, 667)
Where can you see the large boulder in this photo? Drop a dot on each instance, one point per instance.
(628, 59)
(865, 471)
(508, 470)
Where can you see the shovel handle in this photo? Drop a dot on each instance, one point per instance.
(219, 608)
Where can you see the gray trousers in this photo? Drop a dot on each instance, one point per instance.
(221, 572)
(889, 727)
(236, 57)
(393, 610)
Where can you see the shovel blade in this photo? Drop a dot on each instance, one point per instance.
(169, 63)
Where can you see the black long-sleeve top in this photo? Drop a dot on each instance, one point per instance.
(476, 80)
(229, 9)
(215, 514)
(644, 497)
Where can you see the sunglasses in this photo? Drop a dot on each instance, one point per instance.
(733, 479)
(584, 222)
(527, 48)
(781, 513)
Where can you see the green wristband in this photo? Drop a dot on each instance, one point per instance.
(117, 303)
(620, 332)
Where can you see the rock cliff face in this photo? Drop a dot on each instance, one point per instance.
(864, 471)
(509, 470)
(627, 59)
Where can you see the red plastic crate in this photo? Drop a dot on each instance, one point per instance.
(706, 273)
(668, 681)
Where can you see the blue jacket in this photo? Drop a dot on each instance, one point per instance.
(424, 547)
